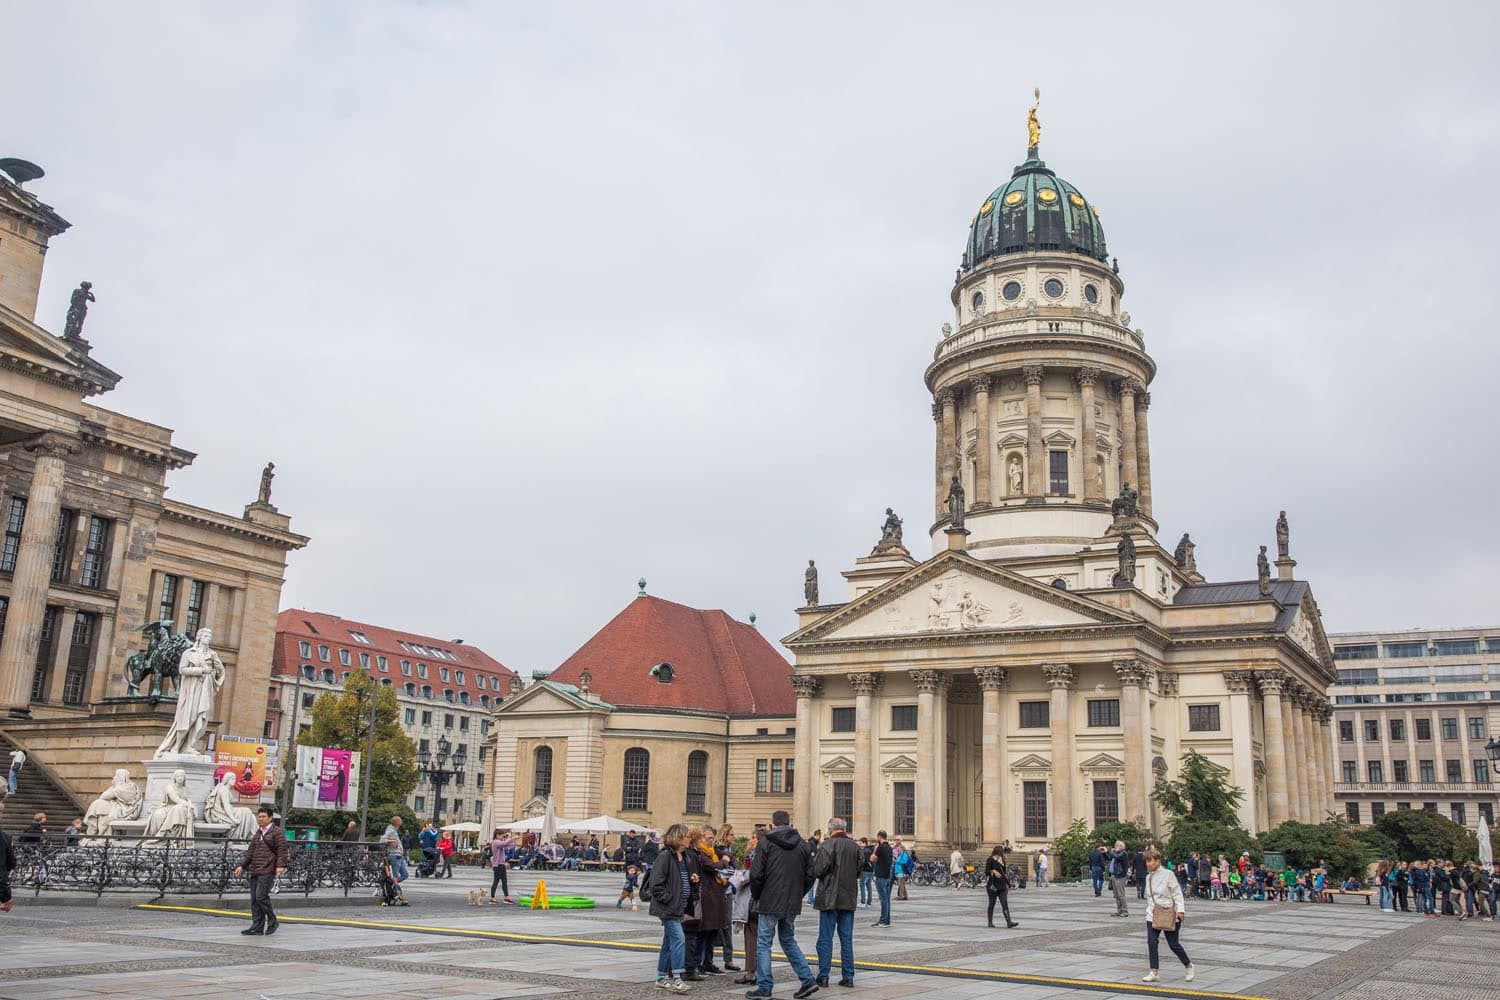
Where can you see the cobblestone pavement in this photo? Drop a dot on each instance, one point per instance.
(1069, 947)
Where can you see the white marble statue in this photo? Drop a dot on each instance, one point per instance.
(200, 675)
(220, 808)
(1015, 476)
(122, 800)
(173, 819)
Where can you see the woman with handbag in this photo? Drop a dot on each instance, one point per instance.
(997, 883)
(1165, 913)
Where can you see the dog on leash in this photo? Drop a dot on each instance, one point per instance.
(476, 897)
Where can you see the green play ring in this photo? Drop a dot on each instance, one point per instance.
(561, 902)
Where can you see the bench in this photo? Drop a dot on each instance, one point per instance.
(1367, 893)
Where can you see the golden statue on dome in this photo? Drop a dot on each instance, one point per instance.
(1034, 127)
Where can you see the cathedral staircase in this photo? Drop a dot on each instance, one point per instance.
(37, 791)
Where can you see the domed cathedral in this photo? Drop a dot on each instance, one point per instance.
(1050, 660)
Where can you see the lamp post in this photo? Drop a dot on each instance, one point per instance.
(1492, 750)
(439, 769)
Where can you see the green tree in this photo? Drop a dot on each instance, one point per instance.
(1305, 844)
(1417, 833)
(1072, 847)
(1200, 794)
(1134, 835)
(1211, 838)
(341, 720)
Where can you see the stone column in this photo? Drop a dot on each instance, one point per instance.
(1325, 759)
(33, 573)
(1143, 451)
(1131, 471)
(806, 689)
(983, 491)
(1241, 732)
(1135, 720)
(62, 646)
(940, 489)
(1277, 799)
(1325, 717)
(1089, 450)
(950, 441)
(992, 752)
(864, 686)
(1295, 754)
(926, 682)
(1060, 678)
(940, 758)
(1036, 457)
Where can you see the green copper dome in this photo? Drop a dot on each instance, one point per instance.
(1035, 210)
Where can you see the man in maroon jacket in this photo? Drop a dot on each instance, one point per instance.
(265, 858)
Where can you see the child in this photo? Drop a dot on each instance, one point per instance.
(1235, 882)
(627, 891)
(390, 889)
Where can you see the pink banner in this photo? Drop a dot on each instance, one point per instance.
(333, 779)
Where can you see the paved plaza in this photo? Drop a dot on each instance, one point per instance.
(1068, 946)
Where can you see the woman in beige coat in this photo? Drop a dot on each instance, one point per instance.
(1162, 890)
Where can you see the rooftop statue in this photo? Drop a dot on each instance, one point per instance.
(1126, 504)
(1263, 572)
(1283, 537)
(956, 504)
(1125, 556)
(890, 533)
(266, 475)
(78, 308)
(1034, 127)
(1184, 554)
(810, 585)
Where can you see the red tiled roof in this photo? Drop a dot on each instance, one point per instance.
(719, 665)
(294, 626)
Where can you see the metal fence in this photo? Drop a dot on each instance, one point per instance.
(186, 867)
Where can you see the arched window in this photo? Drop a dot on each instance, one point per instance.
(463, 697)
(327, 675)
(309, 672)
(411, 690)
(637, 778)
(426, 691)
(541, 772)
(697, 782)
(484, 700)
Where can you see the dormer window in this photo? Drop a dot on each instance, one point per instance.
(664, 672)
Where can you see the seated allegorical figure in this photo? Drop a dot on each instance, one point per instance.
(220, 808)
(122, 800)
(173, 819)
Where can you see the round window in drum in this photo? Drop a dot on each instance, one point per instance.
(1011, 291)
(1053, 287)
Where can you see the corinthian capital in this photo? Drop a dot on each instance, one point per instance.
(1132, 385)
(51, 443)
(1086, 376)
(980, 383)
(864, 684)
(1239, 681)
(926, 681)
(991, 678)
(1132, 673)
(1032, 374)
(945, 397)
(1270, 681)
(805, 686)
(1059, 675)
(1143, 399)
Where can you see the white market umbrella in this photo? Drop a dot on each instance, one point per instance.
(463, 828)
(603, 824)
(549, 824)
(1486, 850)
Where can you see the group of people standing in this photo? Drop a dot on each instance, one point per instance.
(1439, 888)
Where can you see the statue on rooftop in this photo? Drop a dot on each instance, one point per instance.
(810, 585)
(956, 504)
(1127, 503)
(78, 308)
(1263, 572)
(1125, 556)
(1283, 537)
(1186, 561)
(266, 475)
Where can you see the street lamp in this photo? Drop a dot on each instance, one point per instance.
(440, 769)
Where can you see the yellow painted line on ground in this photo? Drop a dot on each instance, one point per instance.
(952, 972)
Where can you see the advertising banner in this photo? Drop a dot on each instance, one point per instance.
(326, 779)
(251, 761)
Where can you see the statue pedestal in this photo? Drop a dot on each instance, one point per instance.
(200, 780)
(957, 538)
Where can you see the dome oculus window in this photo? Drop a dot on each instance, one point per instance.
(1075, 199)
(1091, 294)
(1014, 198)
(976, 301)
(987, 207)
(1047, 195)
(1011, 291)
(1053, 287)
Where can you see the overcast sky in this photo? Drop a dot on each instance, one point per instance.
(528, 301)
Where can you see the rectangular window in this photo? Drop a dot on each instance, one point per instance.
(304, 649)
(903, 718)
(1398, 729)
(1460, 696)
(1407, 697)
(167, 608)
(364, 660)
(463, 723)
(904, 808)
(406, 668)
(62, 546)
(1476, 727)
(1405, 675)
(843, 798)
(841, 721)
(1405, 650)
(447, 720)
(1429, 807)
(791, 770)
(1356, 699)
(344, 657)
(1374, 772)
(1377, 810)
(1403, 806)
(1453, 771)
(1351, 771)
(1456, 647)
(1485, 809)
(308, 698)
(1057, 472)
(776, 782)
(1424, 729)
(1351, 812)
(1104, 712)
(1346, 731)
(1492, 645)
(95, 553)
(1034, 714)
(1455, 672)
(426, 717)
(80, 658)
(1450, 729)
(762, 776)
(1456, 810)
(1481, 771)
(1203, 718)
(442, 673)
(1372, 731)
(383, 666)
(195, 607)
(1426, 771)
(419, 804)
(359, 637)
(1359, 675)
(411, 716)
(1362, 651)
(1034, 808)
(1106, 802)
(15, 519)
(42, 670)
(1400, 771)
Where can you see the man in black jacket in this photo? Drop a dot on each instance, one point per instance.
(883, 858)
(7, 865)
(836, 867)
(1119, 867)
(780, 873)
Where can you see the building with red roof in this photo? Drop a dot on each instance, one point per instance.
(668, 713)
(446, 689)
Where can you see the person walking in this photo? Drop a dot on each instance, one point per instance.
(395, 851)
(900, 868)
(956, 868)
(1119, 867)
(13, 776)
(882, 860)
(7, 865)
(500, 847)
(780, 875)
(445, 850)
(866, 873)
(836, 866)
(1165, 910)
(669, 889)
(1138, 872)
(265, 858)
(997, 884)
(1097, 858)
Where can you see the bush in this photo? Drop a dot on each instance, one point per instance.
(1071, 850)
(1211, 838)
(1305, 844)
(1135, 836)
(1417, 834)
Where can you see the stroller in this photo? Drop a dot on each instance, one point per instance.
(427, 867)
(390, 889)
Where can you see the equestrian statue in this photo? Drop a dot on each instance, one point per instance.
(159, 659)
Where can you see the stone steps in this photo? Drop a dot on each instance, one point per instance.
(36, 792)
